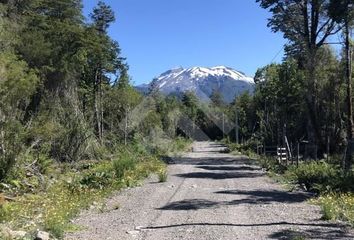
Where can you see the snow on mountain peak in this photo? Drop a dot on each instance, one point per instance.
(202, 72)
(203, 81)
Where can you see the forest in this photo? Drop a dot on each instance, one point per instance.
(65, 90)
(68, 104)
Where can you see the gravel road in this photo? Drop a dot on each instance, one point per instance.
(208, 195)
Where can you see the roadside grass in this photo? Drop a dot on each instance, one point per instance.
(50, 199)
(52, 210)
(74, 188)
(337, 206)
(334, 189)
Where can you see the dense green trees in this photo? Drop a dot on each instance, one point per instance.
(65, 92)
(304, 97)
(342, 12)
(278, 105)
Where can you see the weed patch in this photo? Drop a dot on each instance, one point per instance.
(337, 207)
(74, 190)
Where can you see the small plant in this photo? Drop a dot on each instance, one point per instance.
(162, 175)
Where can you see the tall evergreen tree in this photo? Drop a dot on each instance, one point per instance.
(102, 17)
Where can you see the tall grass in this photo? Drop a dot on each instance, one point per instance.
(74, 188)
(337, 207)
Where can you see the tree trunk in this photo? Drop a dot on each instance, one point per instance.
(236, 127)
(126, 127)
(350, 127)
(97, 105)
(101, 107)
(313, 130)
(2, 135)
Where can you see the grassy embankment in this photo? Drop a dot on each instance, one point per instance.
(50, 200)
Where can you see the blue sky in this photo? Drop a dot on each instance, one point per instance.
(157, 35)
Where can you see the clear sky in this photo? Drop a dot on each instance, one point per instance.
(157, 35)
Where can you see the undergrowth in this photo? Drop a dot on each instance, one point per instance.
(337, 206)
(51, 210)
(334, 188)
(48, 195)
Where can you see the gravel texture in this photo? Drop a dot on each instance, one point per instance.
(208, 195)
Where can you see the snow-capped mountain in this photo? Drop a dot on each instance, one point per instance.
(203, 81)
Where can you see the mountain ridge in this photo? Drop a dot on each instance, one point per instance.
(203, 81)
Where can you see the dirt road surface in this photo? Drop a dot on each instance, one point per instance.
(208, 195)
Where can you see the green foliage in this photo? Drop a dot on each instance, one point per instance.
(66, 96)
(294, 21)
(98, 177)
(248, 148)
(305, 92)
(75, 188)
(17, 84)
(102, 16)
(217, 99)
(190, 101)
(314, 176)
(125, 161)
(162, 175)
(337, 207)
(272, 165)
(245, 106)
(341, 11)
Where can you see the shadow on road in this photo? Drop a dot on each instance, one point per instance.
(332, 233)
(266, 196)
(253, 197)
(220, 176)
(212, 161)
(190, 204)
(229, 168)
(329, 225)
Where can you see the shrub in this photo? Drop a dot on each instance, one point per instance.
(314, 176)
(11, 138)
(96, 177)
(247, 148)
(162, 175)
(125, 161)
(43, 163)
(96, 180)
